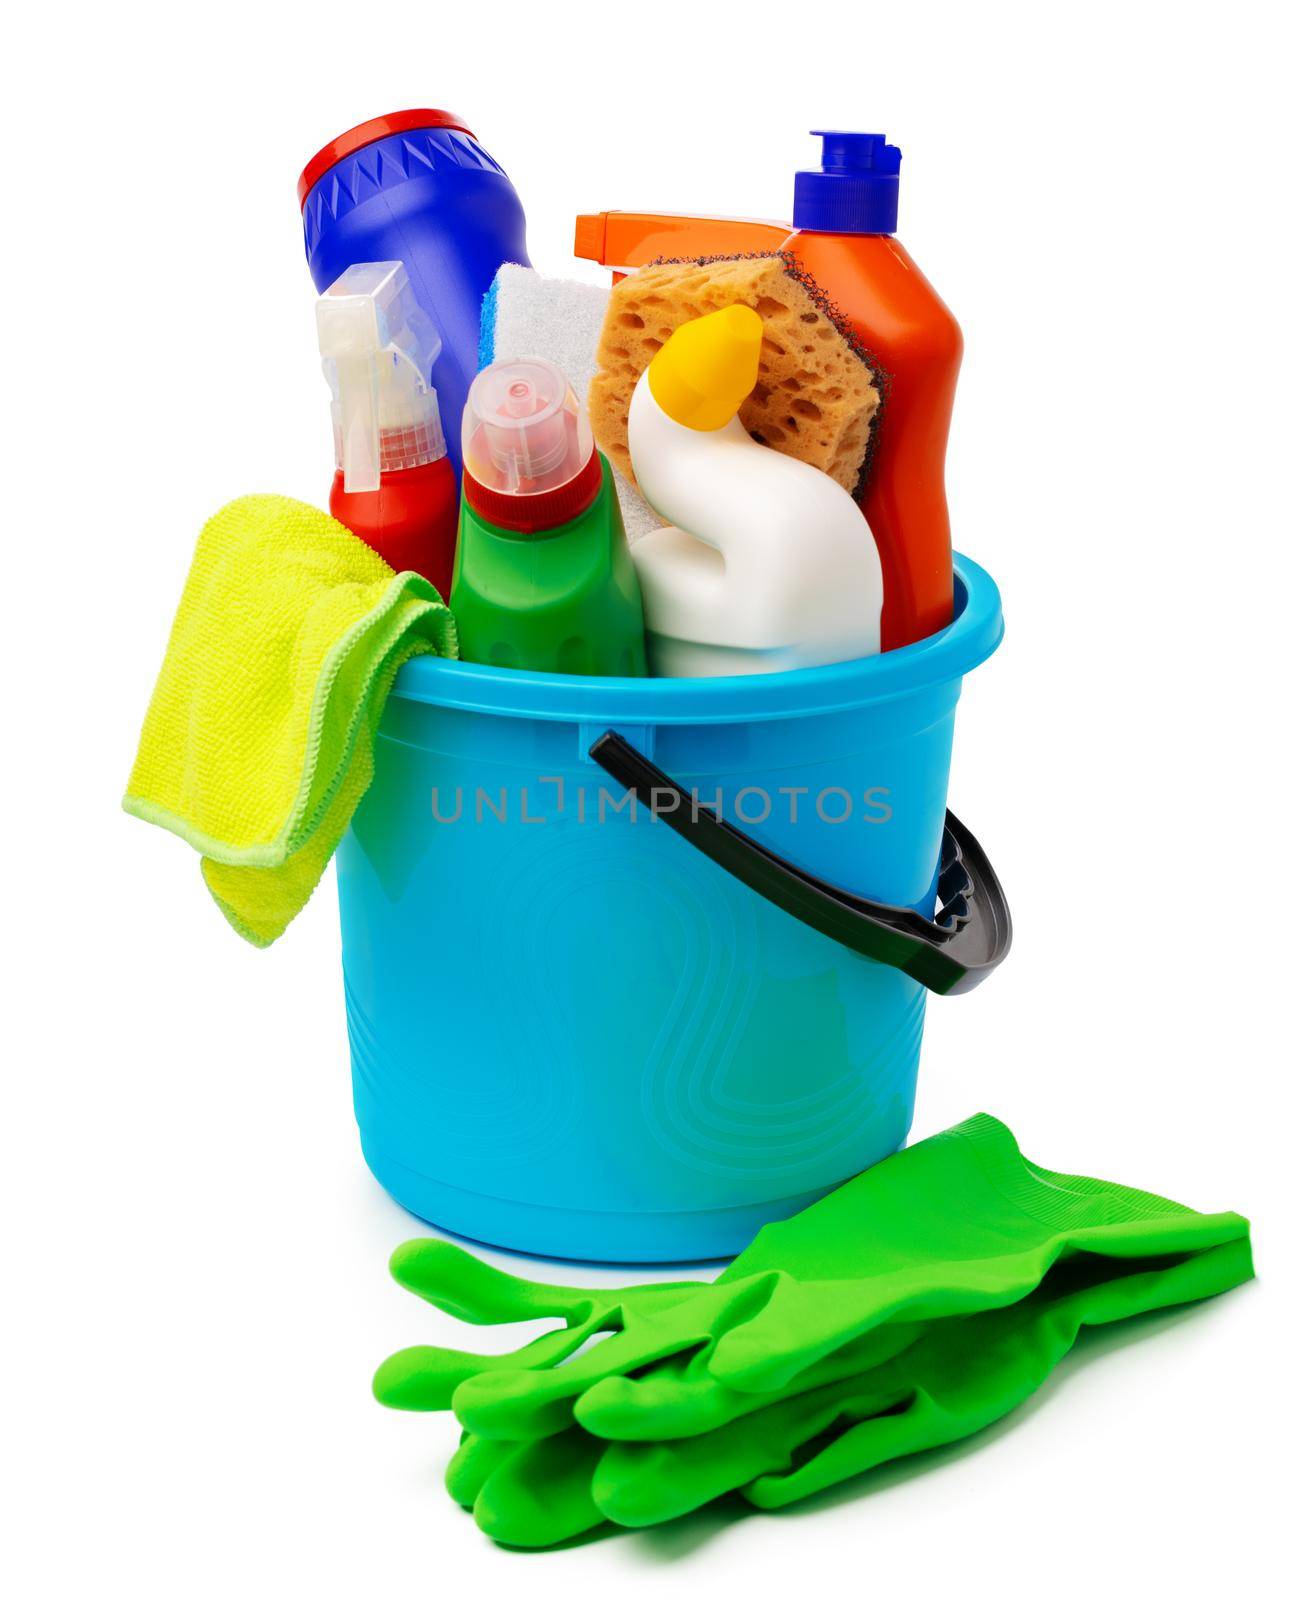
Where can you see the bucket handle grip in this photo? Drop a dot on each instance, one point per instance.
(968, 938)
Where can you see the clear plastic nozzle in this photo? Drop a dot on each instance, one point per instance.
(378, 349)
(523, 431)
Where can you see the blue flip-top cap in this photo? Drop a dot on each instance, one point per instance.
(857, 189)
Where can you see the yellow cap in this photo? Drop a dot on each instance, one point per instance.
(707, 368)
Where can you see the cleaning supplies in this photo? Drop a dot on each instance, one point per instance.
(843, 245)
(844, 239)
(769, 564)
(560, 321)
(394, 485)
(419, 188)
(912, 1306)
(815, 398)
(544, 581)
(258, 742)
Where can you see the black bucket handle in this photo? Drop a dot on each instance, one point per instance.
(969, 937)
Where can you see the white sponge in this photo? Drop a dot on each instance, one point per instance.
(558, 320)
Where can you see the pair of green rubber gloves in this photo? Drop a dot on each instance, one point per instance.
(911, 1307)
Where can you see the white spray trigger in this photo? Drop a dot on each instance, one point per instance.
(378, 348)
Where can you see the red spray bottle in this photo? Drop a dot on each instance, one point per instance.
(394, 487)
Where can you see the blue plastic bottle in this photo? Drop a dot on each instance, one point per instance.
(417, 187)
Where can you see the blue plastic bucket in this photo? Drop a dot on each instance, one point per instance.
(574, 1034)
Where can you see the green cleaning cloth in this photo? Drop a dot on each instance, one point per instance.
(258, 742)
(960, 1223)
(956, 1377)
(950, 1280)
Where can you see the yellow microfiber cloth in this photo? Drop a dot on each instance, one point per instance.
(259, 740)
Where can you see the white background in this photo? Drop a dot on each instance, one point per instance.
(1114, 199)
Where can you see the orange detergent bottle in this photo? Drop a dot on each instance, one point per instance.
(843, 238)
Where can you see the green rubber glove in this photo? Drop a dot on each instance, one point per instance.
(958, 1376)
(957, 1224)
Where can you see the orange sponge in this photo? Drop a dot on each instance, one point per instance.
(816, 398)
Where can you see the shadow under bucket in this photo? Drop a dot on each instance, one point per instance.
(635, 966)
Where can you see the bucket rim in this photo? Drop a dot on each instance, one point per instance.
(975, 633)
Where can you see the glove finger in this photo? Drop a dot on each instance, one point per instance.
(420, 1378)
(426, 1377)
(459, 1283)
(539, 1494)
(471, 1467)
(668, 1403)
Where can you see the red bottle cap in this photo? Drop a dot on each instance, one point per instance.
(367, 133)
(529, 454)
(535, 513)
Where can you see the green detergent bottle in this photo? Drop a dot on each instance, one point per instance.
(543, 579)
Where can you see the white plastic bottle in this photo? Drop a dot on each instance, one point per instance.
(768, 564)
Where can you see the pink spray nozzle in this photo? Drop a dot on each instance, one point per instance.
(523, 432)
